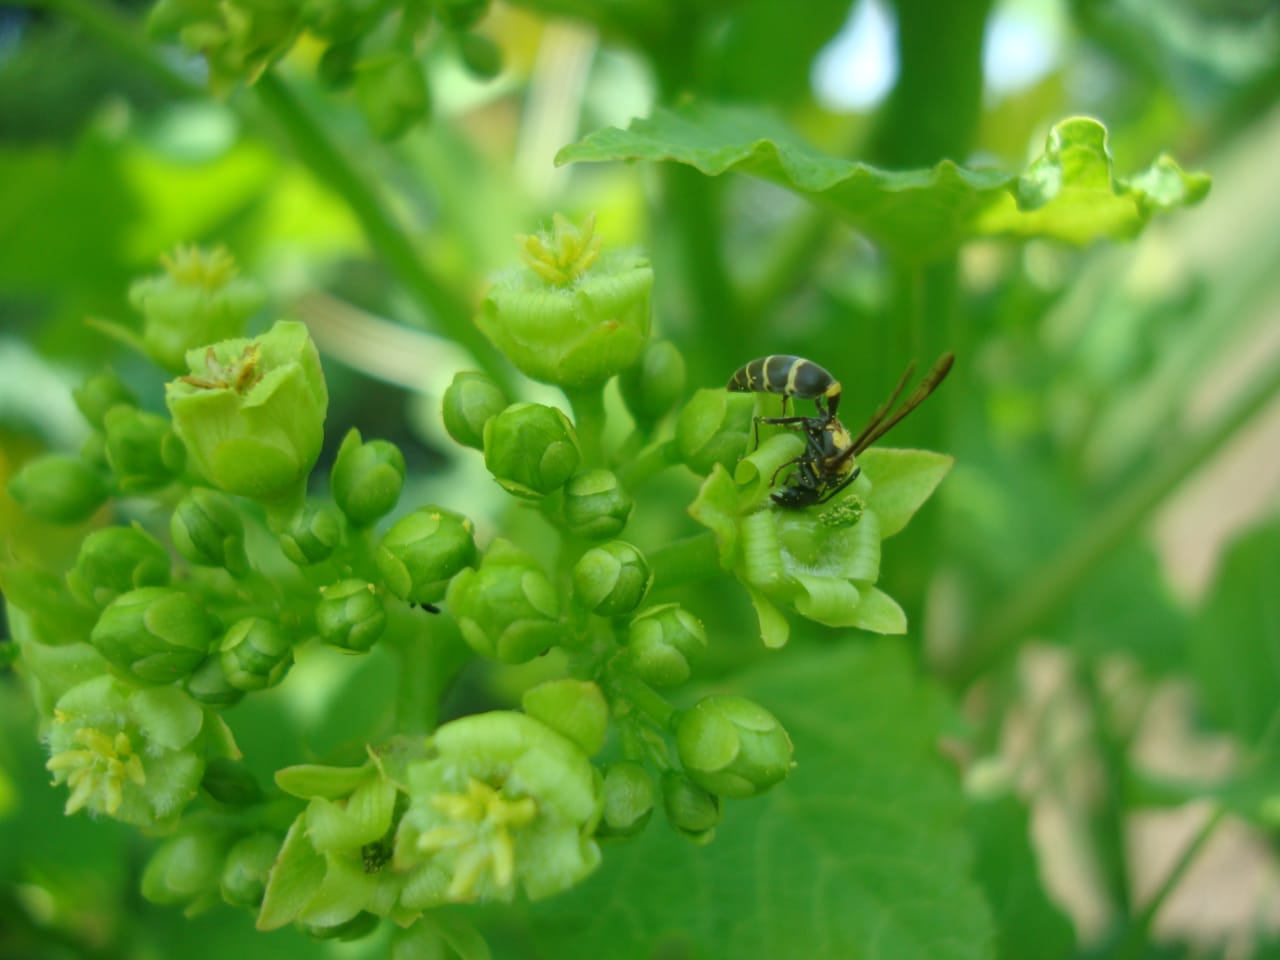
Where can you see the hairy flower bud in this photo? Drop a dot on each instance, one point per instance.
(530, 449)
(247, 866)
(612, 579)
(256, 654)
(506, 802)
(629, 796)
(142, 450)
(133, 754)
(714, 427)
(392, 91)
(571, 317)
(595, 505)
(116, 560)
(664, 643)
(732, 746)
(506, 609)
(351, 615)
(153, 634)
(469, 401)
(424, 550)
(207, 530)
(58, 489)
(690, 809)
(312, 534)
(366, 478)
(100, 393)
(198, 300)
(654, 385)
(252, 412)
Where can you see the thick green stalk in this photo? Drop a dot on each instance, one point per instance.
(685, 561)
(1046, 589)
(589, 422)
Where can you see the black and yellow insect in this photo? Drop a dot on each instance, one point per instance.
(829, 461)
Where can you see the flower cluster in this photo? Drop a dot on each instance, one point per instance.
(241, 571)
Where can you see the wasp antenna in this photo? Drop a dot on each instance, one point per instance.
(875, 430)
(882, 411)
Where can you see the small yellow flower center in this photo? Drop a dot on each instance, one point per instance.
(193, 267)
(564, 254)
(479, 833)
(101, 768)
(239, 375)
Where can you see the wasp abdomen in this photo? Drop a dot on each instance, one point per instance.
(787, 375)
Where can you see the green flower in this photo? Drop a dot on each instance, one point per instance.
(612, 579)
(595, 505)
(664, 643)
(654, 385)
(469, 401)
(691, 810)
(255, 654)
(572, 317)
(351, 615)
(252, 412)
(142, 450)
(505, 803)
(714, 428)
(312, 534)
(116, 560)
(366, 478)
(507, 609)
(133, 754)
(101, 393)
(732, 747)
(531, 449)
(246, 868)
(198, 300)
(58, 489)
(207, 530)
(628, 799)
(423, 551)
(187, 869)
(392, 91)
(153, 634)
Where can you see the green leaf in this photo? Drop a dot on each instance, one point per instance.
(901, 481)
(1070, 193)
(1235, 639)
(879, 613)
(860, 853)
(1029, 926)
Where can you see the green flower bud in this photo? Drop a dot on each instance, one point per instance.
(357, 927)
(142, 450)
(461, 14)
(424, 550)
(654, 385)
(714, 427)
(247, 866)
(351, 615)
(612, 579)
(229, 782)
(187, 870)
(58, 489)
(506, 802)
(573, 318)
(153, 634)
(576, 709)
(691, 810)
(595, 505)
(469, 401)
(392, 91)
(93, 451)
(99, 394)
(480, 55)
(366, 478)
(256, 654)
(664, 643)
(252, 412)
(628, 799)
(116, 560)
(507, 609)
(207, 530)
(128, 753)
(198, 300)
(210, 686)
(732, 747)
(313, 534)
(530, 449)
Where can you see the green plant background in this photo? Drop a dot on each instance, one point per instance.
(1107, 539)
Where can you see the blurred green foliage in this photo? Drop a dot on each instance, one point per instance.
(1094, 381)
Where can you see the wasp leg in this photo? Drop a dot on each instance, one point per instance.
(781, 467)
(841, 485)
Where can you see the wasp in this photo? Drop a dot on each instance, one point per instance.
(829, 461)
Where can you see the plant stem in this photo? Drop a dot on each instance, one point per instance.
(447, 308)
(685, 561)
(1032, 601)
(589, 419)
(647, 700)
(653, 459)
(1137, 940)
